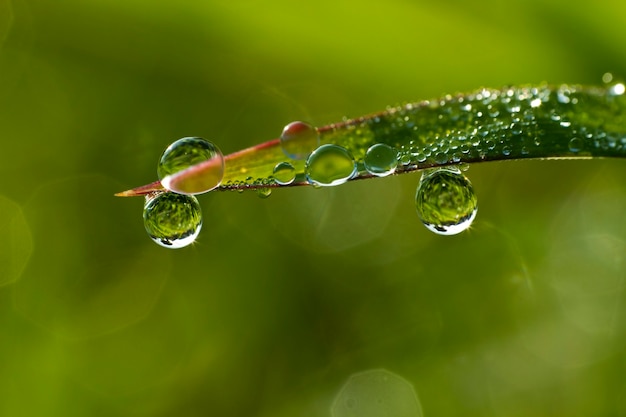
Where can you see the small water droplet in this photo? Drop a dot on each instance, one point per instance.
(576, 144)
(330, 165)
(191, 165)
(284, 173)
(264, 192)
(172, 220)
(299, 139)
(445, 201)
(607, 77)
(381, 160)
(441, 158)
(506, 151)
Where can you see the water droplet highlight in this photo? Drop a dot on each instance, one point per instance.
(299, 139)
(381, 160)
(284, 173)
(172, 220)
(191, 165)
(445, 201)
(330, 165)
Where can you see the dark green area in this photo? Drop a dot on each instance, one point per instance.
(282, 299)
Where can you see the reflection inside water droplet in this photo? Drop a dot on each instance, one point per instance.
(576, 144)
(191, 166)
(381, 160)
(445, 201)
(264, 192)
(299, 139)
(330, 165)
(172, 220)
(284, 173)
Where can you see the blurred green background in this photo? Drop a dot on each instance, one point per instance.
(282, 299)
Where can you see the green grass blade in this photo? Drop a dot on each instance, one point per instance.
(567, 121)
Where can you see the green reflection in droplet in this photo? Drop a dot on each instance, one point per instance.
(299, 139)
(191, 165)
(445, 201)
(172, 220)
(284, 173)
(330, 165)
(381, 160)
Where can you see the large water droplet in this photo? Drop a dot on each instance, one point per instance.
(191, 166)
(172, 220)
(445, 201)
(330, 165)
(299, 139)
(284, 173)
(381, 160)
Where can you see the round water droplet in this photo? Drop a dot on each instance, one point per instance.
(284, 173)
(445, 201)
(172, 220)
(264, 192)
(191, 166)
(299, 139)
(576, 144)
(381, 160)
(330, 165)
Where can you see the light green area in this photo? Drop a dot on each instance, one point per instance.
(18, 243)
(282, 299)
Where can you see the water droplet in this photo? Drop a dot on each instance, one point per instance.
(284, 173)
(264, 192)
(172, 220)
(576, 144)
(445, 201)
(330, 165)
(405, 159)
(381, 160)
(299, 139)
(191, 166)
(607, 77)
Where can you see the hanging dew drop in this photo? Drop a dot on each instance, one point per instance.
(191, 166)
(284, 173)
(264, 192)
(445, 201)
(172, 220)
(330, 165)
(381, 160)
(299, 139)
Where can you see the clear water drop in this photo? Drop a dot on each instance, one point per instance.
(284, 173)
(299, 139)
(445, 201)
(330, 165)
(576, 144)
(191, 165)
(381, 160)
(172, 220)
(264, 192)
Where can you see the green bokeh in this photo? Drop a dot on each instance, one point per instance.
(282, 299)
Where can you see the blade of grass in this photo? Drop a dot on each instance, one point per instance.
(566, 121)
